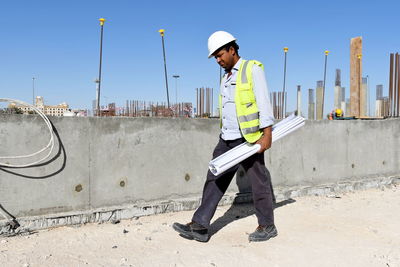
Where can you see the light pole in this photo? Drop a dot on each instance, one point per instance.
(33, 91)
(176, 90)
(323, 91)
(161, 31)
(98, 81)
(368, 98)
(283, 102)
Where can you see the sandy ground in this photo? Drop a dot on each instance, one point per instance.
(355, 229)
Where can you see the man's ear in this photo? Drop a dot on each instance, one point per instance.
(232, 51)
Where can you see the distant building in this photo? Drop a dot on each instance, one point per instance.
(379, 92)
(338, 90)
(57, 110)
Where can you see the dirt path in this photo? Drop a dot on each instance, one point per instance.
(356, 229)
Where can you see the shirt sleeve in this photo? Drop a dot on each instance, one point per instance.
(261, 93)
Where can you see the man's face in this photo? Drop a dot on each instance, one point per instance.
(225, 58)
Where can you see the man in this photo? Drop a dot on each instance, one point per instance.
(246, 115)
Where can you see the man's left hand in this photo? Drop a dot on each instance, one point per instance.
(266, 139)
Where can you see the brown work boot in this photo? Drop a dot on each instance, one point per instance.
(192, 230)
(263, 233)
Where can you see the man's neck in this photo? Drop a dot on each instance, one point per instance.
(235, 60)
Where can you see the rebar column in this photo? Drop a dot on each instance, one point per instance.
(319, 100)
(391, 85)
(311, 104)
(298, 100)
(363, 97)
(398, 85)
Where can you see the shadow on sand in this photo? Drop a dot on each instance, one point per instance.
(239, 211)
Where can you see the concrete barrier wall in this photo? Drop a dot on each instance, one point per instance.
(104, 162)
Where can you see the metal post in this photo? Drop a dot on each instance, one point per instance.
(323, 91)
(394, 85)
(398, 86)
(368, 98)
(274, 104)
(212, 101)
(207, 102)
(395, 81)
(176, 89)
(197, 102)
(391, 85)
(102, 20)
(201, 101)
(33, 91)
(283, 108)
(161, 31)
(280, 105)
(359, 82)
(298, 100)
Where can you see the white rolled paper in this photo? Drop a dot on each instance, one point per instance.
(245, 150)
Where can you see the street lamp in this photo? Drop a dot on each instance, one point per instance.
(33, 91)
(161, 31)
(99, 79)
(323, 92)
(368, 98)
(283, 102)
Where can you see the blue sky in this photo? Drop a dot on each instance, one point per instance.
(58, 43)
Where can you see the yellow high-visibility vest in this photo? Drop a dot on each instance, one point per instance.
(245, 101)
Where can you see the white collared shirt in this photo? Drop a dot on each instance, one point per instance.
(230, 127)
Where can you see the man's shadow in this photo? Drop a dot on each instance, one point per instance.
(239, 211)
(242, 206)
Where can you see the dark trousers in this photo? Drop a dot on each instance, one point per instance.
(216, 186)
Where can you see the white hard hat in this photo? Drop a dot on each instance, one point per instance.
(217, 40)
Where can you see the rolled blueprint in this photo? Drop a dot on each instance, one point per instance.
(245, 150)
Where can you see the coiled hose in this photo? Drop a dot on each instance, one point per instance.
(48, 147)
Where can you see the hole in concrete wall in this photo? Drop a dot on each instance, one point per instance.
(352, 165)
(314, 169)
(122, 183)
(383, 162)
(187, 177)
(78, 188)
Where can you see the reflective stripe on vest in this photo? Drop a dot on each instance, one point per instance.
(249, 117)
(254, 129)
(243, 74)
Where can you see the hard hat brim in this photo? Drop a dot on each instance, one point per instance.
(211, 54)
